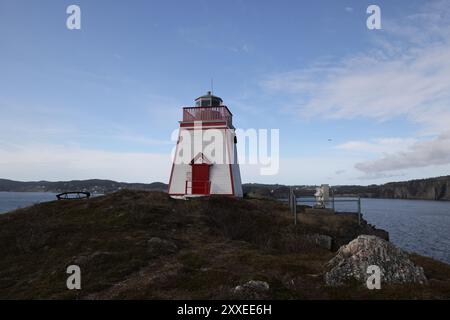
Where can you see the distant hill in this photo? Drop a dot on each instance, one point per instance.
(93, 185)
(427, 189)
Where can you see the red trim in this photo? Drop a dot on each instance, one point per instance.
(173, 162)
(200, 154)
(205, 107)
(232, 180)
(212, 194)
(231, 169)
(208, 128)
(204, 124)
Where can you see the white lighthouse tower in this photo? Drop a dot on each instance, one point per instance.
(205, 161)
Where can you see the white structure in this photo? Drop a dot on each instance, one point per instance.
(322, 195)
(205, 160)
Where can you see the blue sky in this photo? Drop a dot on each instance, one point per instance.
(102, 102)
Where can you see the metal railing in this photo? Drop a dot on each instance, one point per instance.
(207, 114)
(332, 204)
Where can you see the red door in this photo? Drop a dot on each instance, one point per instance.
(200, 178)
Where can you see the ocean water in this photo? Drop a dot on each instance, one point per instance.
(419, 226)
(13, 200)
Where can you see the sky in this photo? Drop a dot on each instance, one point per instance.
(352, 105)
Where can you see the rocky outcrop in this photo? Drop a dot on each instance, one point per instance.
(364, 228)
(352, 260)
(252, 289)
(424, 189)
(340, 227)
(428, 189)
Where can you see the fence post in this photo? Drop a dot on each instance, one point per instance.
(332, 193)
(295, 206)
(290, 199)
(359, 210)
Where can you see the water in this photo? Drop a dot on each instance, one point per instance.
(420, 226)
(415, 225)
(13, 200)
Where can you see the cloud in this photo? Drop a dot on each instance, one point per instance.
(382, 145)
(379, 175)
(348, 9)
(58, 163)
(405, 74)
(420, 154)
(416, 86)
(52, 162)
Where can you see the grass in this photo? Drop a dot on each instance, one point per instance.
(221, 243)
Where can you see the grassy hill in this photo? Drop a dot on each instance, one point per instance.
(144, 245)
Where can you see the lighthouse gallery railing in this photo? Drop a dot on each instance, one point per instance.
(207, 114)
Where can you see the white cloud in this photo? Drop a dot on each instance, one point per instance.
(420, 154)
(380, 175)
(383, 145)
(59, 163)
(406, 75)
(49, 162)
(348, 9)
(417, 87)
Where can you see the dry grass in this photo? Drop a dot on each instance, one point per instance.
(221, 243)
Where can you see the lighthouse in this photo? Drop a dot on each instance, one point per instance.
(205, 160)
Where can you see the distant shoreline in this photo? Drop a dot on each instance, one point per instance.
(425, 189)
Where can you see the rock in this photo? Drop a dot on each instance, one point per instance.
(321, 240)
(352, 260)
(252, 289)
(158, 246)
(352, 231)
